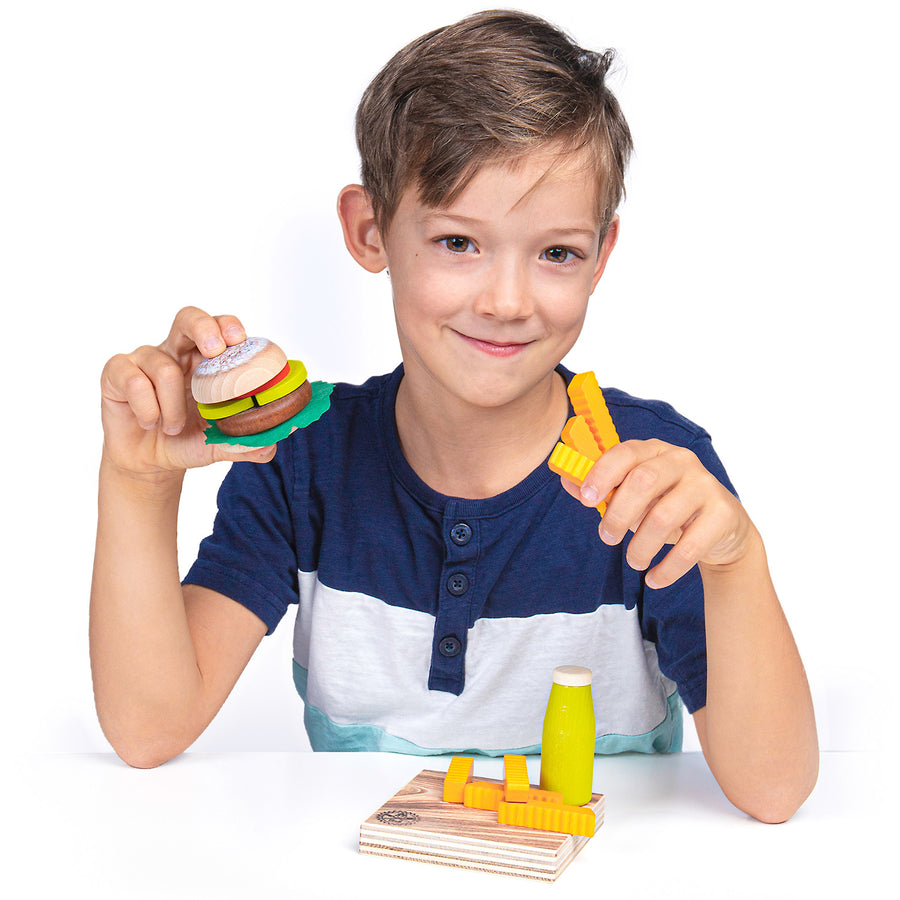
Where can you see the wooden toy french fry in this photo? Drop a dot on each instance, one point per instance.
(587, 435)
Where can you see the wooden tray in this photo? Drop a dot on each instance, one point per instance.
(416, 824)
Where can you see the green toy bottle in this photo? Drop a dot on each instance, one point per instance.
(567, 748)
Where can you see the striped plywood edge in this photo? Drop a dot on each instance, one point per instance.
(416, 824)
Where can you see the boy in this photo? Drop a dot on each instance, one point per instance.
(441, 570)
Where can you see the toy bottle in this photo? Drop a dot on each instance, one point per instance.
(567, 749)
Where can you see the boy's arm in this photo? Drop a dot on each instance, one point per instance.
(163, 659)
(757, 729)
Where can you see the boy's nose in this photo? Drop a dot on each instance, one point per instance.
(505, 293)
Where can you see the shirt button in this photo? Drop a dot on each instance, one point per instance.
(450, 645)
(461, 534)
(457, 584)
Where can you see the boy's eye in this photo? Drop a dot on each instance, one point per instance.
(556, 254)
(457, 244)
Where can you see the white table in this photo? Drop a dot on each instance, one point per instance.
(286, 825)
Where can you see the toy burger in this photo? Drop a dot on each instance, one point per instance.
(252, 389)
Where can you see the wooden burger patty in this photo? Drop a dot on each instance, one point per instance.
(260, 418)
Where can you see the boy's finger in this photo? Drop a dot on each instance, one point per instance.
(639, 480)
(684, 555)
(242, 453)
(195, 329)
(574, 489)
(614, 465)
(663, 522)
(164, 377)
(126, 386)
(232, 329)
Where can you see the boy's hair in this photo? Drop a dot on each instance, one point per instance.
(494, 86)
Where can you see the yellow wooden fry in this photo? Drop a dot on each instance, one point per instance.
(587, 401)
(577, 434)
(573, 466)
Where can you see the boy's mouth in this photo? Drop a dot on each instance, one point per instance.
(500, 349)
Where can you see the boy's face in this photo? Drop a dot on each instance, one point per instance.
(491, 292)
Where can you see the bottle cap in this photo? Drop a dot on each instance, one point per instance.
(572, 676)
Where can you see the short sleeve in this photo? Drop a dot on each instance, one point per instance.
(250, 555)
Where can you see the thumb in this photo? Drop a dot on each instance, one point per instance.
(242, 453)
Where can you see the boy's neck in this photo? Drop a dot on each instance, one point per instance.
(475, 453)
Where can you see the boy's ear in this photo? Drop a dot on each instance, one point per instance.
(361, 234)
(606, 247)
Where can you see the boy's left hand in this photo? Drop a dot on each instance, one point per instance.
(664, 495)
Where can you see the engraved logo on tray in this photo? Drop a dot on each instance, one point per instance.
(397, 817)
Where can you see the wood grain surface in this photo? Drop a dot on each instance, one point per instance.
(417, 824)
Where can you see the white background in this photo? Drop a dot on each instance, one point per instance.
(170, 153)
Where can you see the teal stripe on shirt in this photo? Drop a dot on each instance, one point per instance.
(329, 736)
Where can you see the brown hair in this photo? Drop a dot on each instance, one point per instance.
(496, 85)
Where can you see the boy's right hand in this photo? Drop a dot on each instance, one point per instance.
(151, 425)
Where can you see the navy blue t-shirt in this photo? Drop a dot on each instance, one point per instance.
(431, 624)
